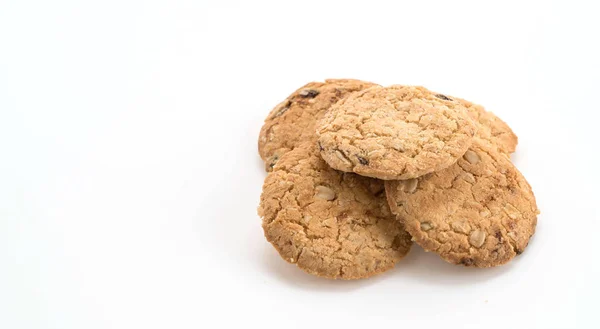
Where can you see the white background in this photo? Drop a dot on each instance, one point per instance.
(129, 174)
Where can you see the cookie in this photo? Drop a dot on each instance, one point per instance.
(478, 212)
(396, 132)
(329, 223)
(292, 122)
(491, 127)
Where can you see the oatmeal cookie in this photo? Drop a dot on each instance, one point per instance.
(491, 127)
(478, 212)
(329, 223)
(396, 132)
(292, 122)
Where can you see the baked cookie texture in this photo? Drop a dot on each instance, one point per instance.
(292, 121)
(491, 127)
(396, 132)
(329, 223)
(479, 212)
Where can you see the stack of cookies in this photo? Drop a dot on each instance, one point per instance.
(357, 172)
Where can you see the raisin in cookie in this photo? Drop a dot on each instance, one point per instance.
(396, 132)
(330, 223)
(478, 212)
(292, 122)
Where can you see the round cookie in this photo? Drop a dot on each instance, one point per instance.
(491, 127)
(479, 212)
(329, 223)
(396, 132)
(292, 121)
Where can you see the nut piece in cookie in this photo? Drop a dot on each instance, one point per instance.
(478, 212)
(397, 132)
(329, 223)
(292, 121)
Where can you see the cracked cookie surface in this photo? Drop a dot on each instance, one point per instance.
(396, 132)
(292, 121)
(329, 223)
(479, 212)
(491, 127)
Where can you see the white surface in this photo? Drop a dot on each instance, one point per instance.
(129, 175)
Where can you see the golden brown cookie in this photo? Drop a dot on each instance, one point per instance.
(478, 212)
(330, 223)
(491, 127)
(292, 122)
(396, 132)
